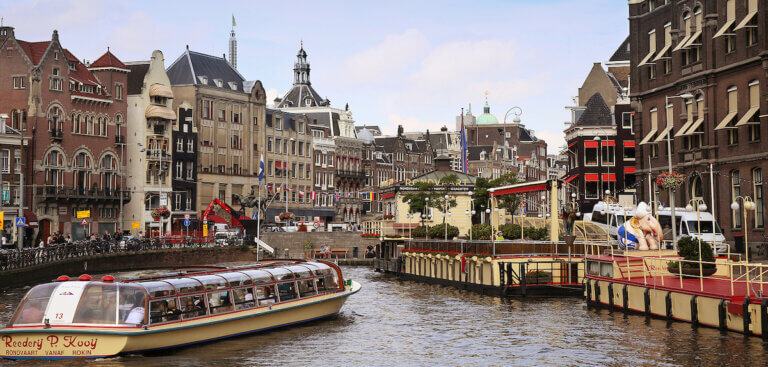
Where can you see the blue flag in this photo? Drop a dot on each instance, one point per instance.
(261, 168)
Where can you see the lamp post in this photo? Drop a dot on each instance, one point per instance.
(516, 120)
(445, 224)
(700, 207)
(748, 205)
(472, 212)
(669, 164)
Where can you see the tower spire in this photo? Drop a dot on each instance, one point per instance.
(233, 45)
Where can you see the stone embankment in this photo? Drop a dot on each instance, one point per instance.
(293, 242)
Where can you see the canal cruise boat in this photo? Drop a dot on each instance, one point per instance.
(101, 318)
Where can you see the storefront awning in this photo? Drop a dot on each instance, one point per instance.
(569, 179)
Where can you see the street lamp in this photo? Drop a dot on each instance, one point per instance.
(517, 112)
(467, 212)
(748, 205)
(700, 207)
(669, 164)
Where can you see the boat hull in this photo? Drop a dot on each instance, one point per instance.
(19, 343)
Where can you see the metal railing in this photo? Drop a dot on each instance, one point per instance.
(80, 193)
(513, 248)
(15, 259)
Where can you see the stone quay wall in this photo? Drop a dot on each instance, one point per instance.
(294, 242)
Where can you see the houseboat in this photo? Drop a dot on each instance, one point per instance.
(99, 318)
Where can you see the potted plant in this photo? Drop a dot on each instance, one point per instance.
(538, 277)
(688, 249)
(159, 212)
(286, 216)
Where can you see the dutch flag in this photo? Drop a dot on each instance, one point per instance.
(261, 168)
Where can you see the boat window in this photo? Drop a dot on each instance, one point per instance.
(33, 305)
(219, 302)
(307, 287)
(132, 303)
(237, 279)
(212, 282)
(186, 285)
(332, 280)
(320, 284)
(300, 271)
(281, 274)
(319, 268)
(286, 291)
(266, 295)
(259, 276)
(98, 304)
(243, 298)
(158, 289)
(163, 310)
(192, 306)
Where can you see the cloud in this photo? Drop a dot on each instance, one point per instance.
(555, 140)
(271, 95)
(390, 58)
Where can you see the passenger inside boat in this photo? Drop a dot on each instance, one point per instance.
(243, 298)
(192, 307)
(266, 295)
(33, 312)
(137, 310)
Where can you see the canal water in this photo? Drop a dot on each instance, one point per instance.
(393, 322)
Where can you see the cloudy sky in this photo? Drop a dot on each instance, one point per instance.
(415, 63)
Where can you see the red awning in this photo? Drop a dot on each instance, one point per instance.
(591, 177)
(520, 190)
(569, 179)
(387, 196)
(590, 144)
(629, 169)
(609, 177)
(629, 144)
(609, 143)
(31, 218)
(572, 145)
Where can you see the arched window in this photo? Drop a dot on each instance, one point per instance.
(82, 172)
(54, 169)
(735, 192)
(55, 118)
(757, 187)
(696, 191)
(96, 126)
(104, 121)
(108, 168)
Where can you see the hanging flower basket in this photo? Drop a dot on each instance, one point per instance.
(159, 212)
(286, 216)
(389, 216)
(670, 180)
(610, 199)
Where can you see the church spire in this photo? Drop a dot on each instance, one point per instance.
(233, 45)
(301, 67)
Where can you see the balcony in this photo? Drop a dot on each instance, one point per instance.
(80, 195)
(350, 174)
(158, 155)
(57, 135)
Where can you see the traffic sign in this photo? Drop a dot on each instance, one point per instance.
(187, 216)
(205, 230)
(84, 222)
(135, 225)
(21, 222)
(2, 219)
(163, 199)
(253, 216)
(83, 214)
(316, 225)
(187, 222)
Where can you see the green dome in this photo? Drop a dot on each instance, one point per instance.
(486, 118)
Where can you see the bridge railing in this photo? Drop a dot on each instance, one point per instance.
(27, 257)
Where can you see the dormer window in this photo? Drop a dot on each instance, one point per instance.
(232, 85)
(219, 82)
(203, 79)
(482, 155)
(72, 65)
(308, 102)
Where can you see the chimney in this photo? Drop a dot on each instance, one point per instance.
(443, 163)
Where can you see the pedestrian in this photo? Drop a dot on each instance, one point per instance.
(5, 241)
(69, 238)
(42, 243)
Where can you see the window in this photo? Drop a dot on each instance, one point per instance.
(293, 170)
(269, 144)
(590, 189)
(608, 153)
(318, 134)
(19, 82)
(236, 114)
(665, 55)
(735, 192)
(590, 153)
(177, 202)
(278, 123)
(222, 115)
(269, 167)
(757, 187)
(629, 150)
(179, 145)
(5, 160)
(190, 146)
(646, 61)
(686, 29)
(118, 91)
(654, 127)
(56, 82)
(17, 161)
(178, 169)
(750, 23)
(694, 43)
(626, 120)
(752, 116)
(207, 110)
(301, 148)
(190, 168)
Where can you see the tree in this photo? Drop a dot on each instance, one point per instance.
(442, 204)
(480, 197)
(508, 202)
(419, 200)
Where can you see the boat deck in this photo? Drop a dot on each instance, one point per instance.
(713, 286)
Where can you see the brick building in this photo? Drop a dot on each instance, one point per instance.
(710, 57)
(72, 114)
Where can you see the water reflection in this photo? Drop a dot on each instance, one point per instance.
(396, 322)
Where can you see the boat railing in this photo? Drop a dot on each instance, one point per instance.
(18, 259)
(512, 248)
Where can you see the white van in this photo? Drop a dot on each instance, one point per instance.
(609, 216)
(688, 225)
